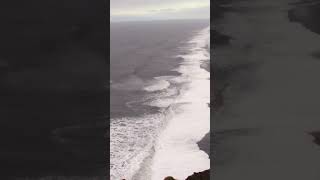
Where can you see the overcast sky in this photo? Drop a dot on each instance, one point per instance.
(130, 10)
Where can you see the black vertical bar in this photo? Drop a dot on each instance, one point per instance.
(53, 76)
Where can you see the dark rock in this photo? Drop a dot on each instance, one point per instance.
(169, 178)
(205, 175)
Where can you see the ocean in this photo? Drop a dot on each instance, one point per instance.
(159, 96)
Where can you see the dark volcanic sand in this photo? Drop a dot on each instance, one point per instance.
(204, 144)
(272, 98)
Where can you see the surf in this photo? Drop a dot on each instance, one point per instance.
(153, 146)
(176, 151)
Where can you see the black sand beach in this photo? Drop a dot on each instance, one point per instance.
(269, 95)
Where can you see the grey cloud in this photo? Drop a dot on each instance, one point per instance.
(140, 3)
(195, 13)
(162, 10)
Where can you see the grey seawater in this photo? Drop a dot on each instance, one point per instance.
(142, 55)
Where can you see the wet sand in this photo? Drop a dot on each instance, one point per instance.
(271, 103)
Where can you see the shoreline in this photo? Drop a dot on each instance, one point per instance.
(166, 160)
(219, 40)
(204, 143)
(151, 65)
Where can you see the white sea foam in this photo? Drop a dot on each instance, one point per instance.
(163, 99)
(156, 85)
(184, 100)
(131, 142)
(177, 153)
(161, 103)
(133, 82)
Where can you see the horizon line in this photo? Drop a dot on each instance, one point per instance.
(148, 20)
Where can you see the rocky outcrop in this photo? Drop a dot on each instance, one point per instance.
(205, 175)
(169, 178)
